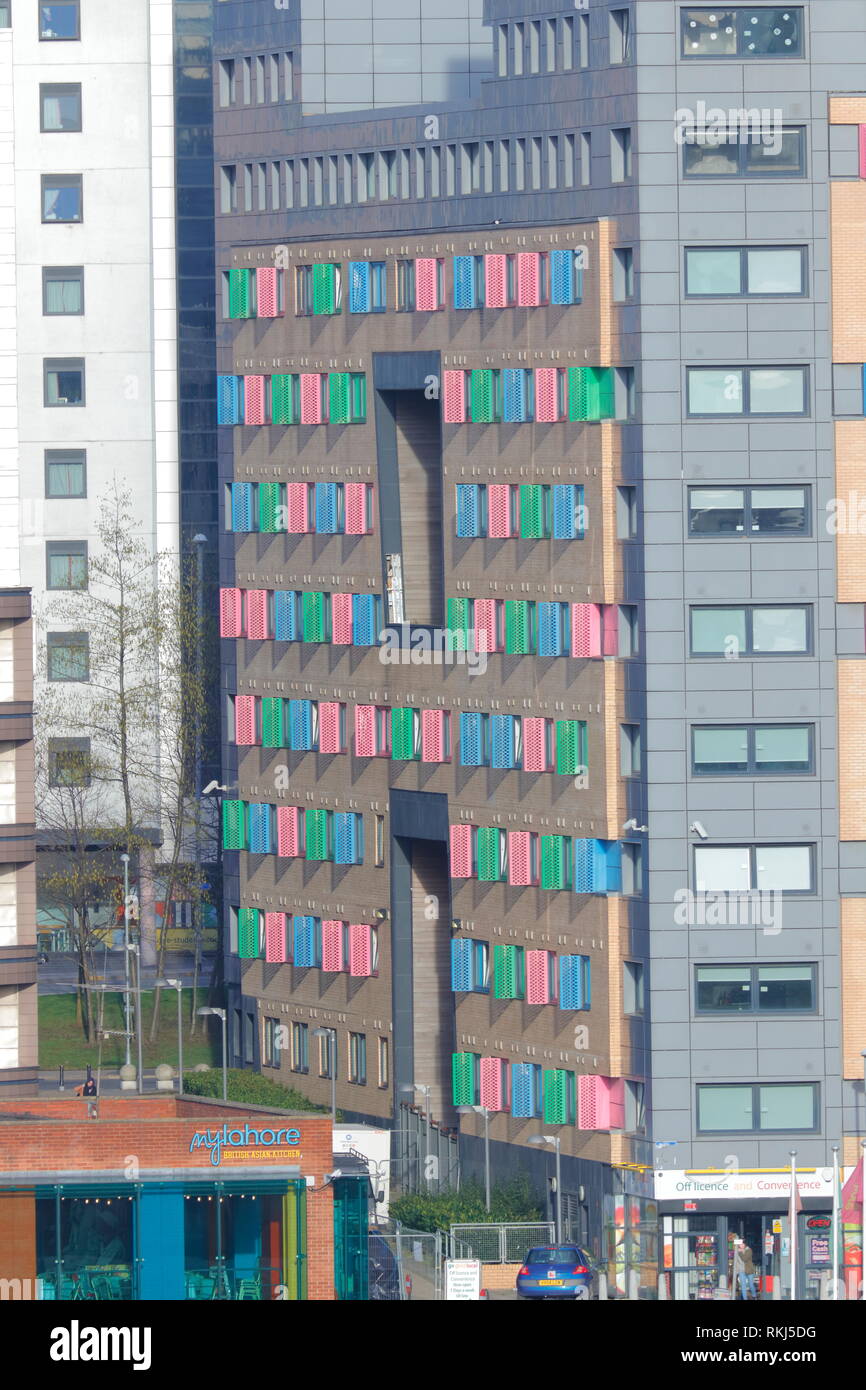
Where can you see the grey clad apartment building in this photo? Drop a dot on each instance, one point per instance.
(541, 332)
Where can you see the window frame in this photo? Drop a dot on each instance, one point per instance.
(749, 610)
(300, 1048)
(270, 1050)
(744, 252)
(744, 170)
(75, 6)
(756, 1087)
(52, 91)
(738, 56)
(748, 533)
(73, 456)
(752, 767)
(357, 1059)
(753, 850)
(50, 365)
(58, 548)
(754, 1010)
(60, 182)
(6, 14)
(746, 392)
(62, 641)
(69, 745)
(51, 274)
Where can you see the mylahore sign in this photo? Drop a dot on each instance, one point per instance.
(247, 1144)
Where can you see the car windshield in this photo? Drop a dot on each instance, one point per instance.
(554, 1255)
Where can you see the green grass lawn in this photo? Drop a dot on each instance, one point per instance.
(61, 1040)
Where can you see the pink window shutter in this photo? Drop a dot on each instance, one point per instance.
(496, 281)
(254, 400)
(615, 1088)
(493, 1089)
(245, 721)
(535, 745)
(528, 279)
(332, 947)
(330, 727)
(863, 151)
(267, 292)
(461, 851)
(537, 977)
(311, 399)
(298, 508)
(355, 499)
(288, 831)
(341, 619)
(600, 1102)
(231, 613)
(520, 859)
(610, 629)
(426, 283)
(365, 731)
(433, 735)
(486, 625)
(547, 395)
(275, 937)
(499, 511)
(258, 615)
(454, 397)
(360, 949)
(585, 629)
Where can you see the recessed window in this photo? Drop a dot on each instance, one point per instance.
(752, 989)
(751, 630)
(623, 273)
(620, 36)
(784, 1108)
(270, 1042)
(358, 1059)
(64, 381)
(630, 750)
(758, 511)
(620, 155)
(737, 271)
(5, 14)
(405, 285)
(384, 1063)
(633, 987)
(752, 750)
(68, 656)
(746, 391)
(746, 152)
(755, 868)
(66, 564)
(69, 762)
(63, 289)
(62, 199)
(60, 106)
(626, 512)
(60, 20)
(300, 1047)
(65, 473)
(762, 31)
(326, 1050)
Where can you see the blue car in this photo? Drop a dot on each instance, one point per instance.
(556, 1271)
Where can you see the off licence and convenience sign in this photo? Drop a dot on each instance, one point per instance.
(462, 1280)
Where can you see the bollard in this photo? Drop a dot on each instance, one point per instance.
(633, 1285)
(602, 1286)
(663, 1288)
(60, 1085)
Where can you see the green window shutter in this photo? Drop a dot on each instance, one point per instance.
(532, 511)
(507, 971)
(458, 619)
(489, 854)
(270, 502)
(272, 722)
(404, 725)
(314, 616)
(558, 1097)
(234, 825)
(554, 861)
(338, 398)
(240, 295)
(324, 289)
(518, 626)
(248, 933)
(283, 400)
(599, 393)
(358, 412)
(577, 393)
(316, 834)
(570, 745)
(481, 397)
(464, 1073)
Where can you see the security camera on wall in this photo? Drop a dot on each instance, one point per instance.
(697, 829)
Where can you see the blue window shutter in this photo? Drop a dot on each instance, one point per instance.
(327, 508)
(471, 740)
(567, 499)
(524, 1090)
(464, 282)
(550, 629)
(461, 965)
(562, 277)
(348, 847)
(502, 741)
(286, 627)
(304, 941)
(260, 828)
(613, 866)
(365, 624)
(229, 396)
(573, 975)
(359, 287)
(301, 725)
(242, 506)
(584, 866)
(468, 509)
(514, 395)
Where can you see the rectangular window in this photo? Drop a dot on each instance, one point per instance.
(755, 868)
(66, 564)
(620, 155)
(728, 271)
(247, 80)
(5, 14)
(69, 762)
(270, 1042)
(586, 158)
(713, 391)
(68, 656)
(752, 630)
(750, 750)
(749, 511)
(623, 273)
(632, 987)
(762, 31)
(326, 1043)
(65, 473)
(300, 1047)
(59, 106)
(384, 1064)
(405, 286)
(789, 1108)
(62, 198)
(745, 154)
(620, 36)
(630, 750)
(63, 381)
(59, 21)
(626, 512)
(227, 82)
(568, 44)
(228, 188)
(63, 289)
(750, 989)
(358, 1059)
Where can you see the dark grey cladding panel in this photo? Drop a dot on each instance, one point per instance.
(404, 371)
(419, 815)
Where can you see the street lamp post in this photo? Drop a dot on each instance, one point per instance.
(124, 859)
(537, 1140)
(482, 1110)
(425, 1090)
(134, 950)
(221, 1015)
(177, 985)
(331, 1035)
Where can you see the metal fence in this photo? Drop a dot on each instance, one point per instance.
(426, 1158)
(406, 1265)
(498, 1244)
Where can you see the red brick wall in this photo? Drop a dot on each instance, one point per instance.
(17, 1236)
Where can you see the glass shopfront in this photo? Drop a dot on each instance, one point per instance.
(743, 1255)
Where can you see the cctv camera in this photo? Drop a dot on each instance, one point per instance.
(697, 829)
